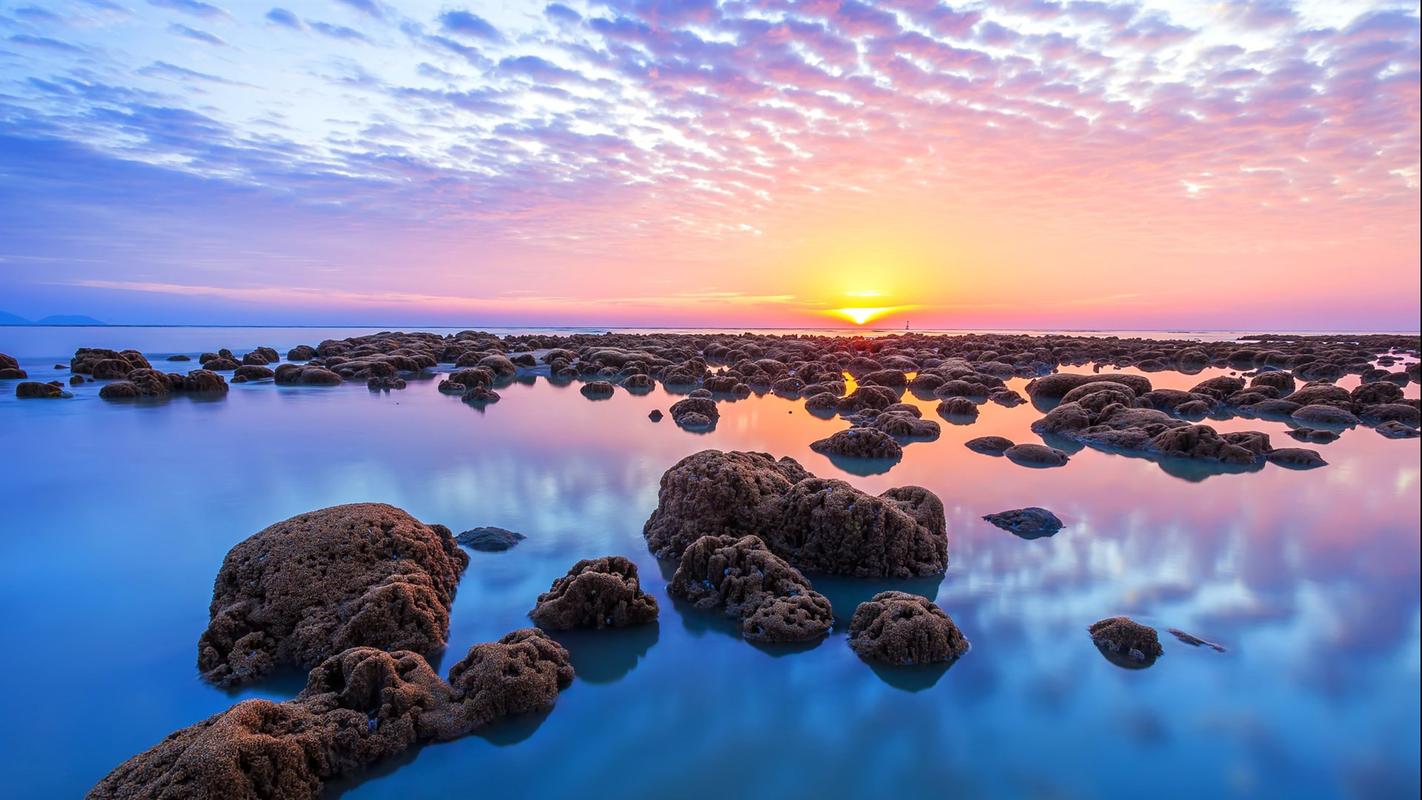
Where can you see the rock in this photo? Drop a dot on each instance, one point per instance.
(989, 445)
(826, 525)
(1313, 435)
(34, 390)
(1029, 523)
(220, 364)
(1392, 412)
(875, 397)
(179, 357)
(1319, 414)
(597, 390)
(1118, 392)
(596, 593)
(489, 539)
(1054, 387)
(301, 352)
(901, 629)
(365, 574)
(1204, 443)
(106, 364)
(1220, 387)
(360, 706)
(1036, 455)
(1195, 641)
(1296, 458)
(656, 415)
(815, 524)
(250, 372)
(714, 492)
(1126, 642)
(1396, 430)
(741, 576)
(311, 375)
(695, 413)
(120, 390)
(480, 396)
(1006, 397)
(860, 443)
(958, 408)
(384, 384)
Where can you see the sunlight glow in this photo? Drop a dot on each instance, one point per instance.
(861, 315)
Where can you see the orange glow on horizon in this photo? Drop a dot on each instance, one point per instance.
(860, 315)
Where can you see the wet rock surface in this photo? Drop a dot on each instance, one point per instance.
(902, 629)
(1036, 455)
(365, 574)
(743, 578)
(360, 706)
(596, 593)
(860, 443)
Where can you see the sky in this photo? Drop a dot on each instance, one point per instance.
(1021, 164)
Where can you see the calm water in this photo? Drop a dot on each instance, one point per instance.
(118, 516)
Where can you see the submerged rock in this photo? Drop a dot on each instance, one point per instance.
(741, 576)
(489, 539)
(1126, 642)
(34, 390)
(359, 707)
(325, 581)
(596, 593)
(902, 629)
(1029, 523)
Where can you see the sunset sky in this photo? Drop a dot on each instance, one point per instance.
(1031, 163)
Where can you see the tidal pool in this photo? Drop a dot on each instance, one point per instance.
(117, 516)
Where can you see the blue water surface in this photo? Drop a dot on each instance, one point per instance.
(117, 516)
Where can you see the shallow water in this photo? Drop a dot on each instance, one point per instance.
(117, 517)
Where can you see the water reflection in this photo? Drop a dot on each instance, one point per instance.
(118, 517)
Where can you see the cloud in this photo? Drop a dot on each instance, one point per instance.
(338, 31)
(465, 23)
(195, 8)
(179, 29)
(284, 18)
(369, 7)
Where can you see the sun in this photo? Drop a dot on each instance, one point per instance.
(860, 315)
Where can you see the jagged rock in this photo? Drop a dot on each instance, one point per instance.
(901, 629)
(596, 593)
(325, 581)
(1029, 523)
(740, 575)
(1126, 642)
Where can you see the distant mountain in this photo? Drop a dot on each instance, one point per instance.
(69, 319)
(53, 319)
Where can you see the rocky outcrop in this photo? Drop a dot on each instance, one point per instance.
(816, 524)
(596, 593)
(741, 576)
(295, 593)
(901, 629)
(359, 707)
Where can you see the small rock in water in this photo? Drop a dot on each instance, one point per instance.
(1029, 523)
(1036, 455)
(1126, 643)
(902, 629)
(489, 539)
(656, 415)
(989, 445)
(1195, 641)
(1396, 430)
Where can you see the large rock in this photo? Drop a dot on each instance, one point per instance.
(741, 576)
(902, 629)
(325, 581)
(359, 707)
(816, 524)
(1056, 386)
(596, 593)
